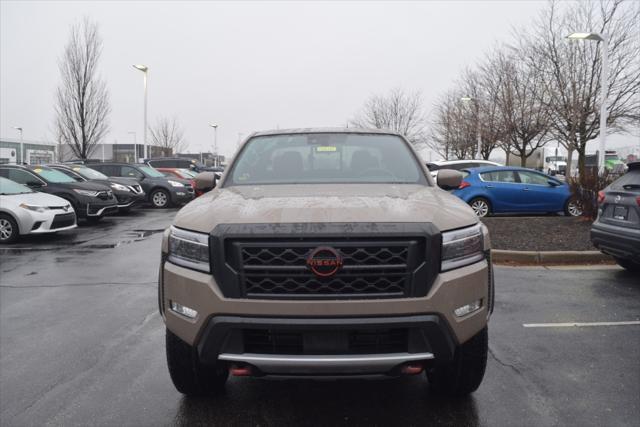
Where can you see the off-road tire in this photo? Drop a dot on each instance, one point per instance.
(628, 265)
(188, 374)
(157, 195)
(10, 229)
(480, 200)
(464, 374)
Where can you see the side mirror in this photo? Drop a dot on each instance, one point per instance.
(553, 183)
(205, 181)
(35, 184)
(449, 179)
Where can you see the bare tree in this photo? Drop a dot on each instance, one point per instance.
(571, 69)
(168, 135)
(82, 101)
(453, 128)
(398, 111)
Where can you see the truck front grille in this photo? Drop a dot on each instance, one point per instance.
(374, 269)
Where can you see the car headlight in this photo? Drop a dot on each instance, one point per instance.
(176, 184)
(462, 247)
(34, 207)
(88, 193)
(189, 249)
(119, 187)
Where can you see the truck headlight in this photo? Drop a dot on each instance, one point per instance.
(462, 247)
(176, 184)
(189, 249)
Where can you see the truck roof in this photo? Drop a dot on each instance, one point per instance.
(324, 130)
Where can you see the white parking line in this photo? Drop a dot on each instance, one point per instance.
(579, 324)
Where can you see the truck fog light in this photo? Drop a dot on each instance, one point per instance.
(185, 311)
(468, 308)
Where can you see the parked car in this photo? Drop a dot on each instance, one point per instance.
(90, 200)
(326, 252)
(161, 191)
(457, 165)
(24, 211)
(616, 231)
(180, 163)
(492, 190)
(128, 191)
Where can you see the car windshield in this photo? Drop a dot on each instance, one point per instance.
(318, 158)
(151, 172)
(53, 175)
(8, 187)
(89, 173)
(611, 157)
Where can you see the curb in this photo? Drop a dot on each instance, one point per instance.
(549, 257)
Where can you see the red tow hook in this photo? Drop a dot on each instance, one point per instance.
(241, 371)
(411, 369)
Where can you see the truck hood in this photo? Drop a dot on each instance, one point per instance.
(325, 203)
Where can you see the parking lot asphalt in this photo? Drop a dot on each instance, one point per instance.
(82, 343)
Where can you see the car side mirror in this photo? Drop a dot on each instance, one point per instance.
(449, 179)
(205, 181)
(553, 183)
(36, 184)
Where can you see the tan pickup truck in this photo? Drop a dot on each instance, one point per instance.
(327, 252)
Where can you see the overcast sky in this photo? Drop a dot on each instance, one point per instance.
(246, 65)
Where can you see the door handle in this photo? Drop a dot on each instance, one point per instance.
(525, 189)
(488, 186)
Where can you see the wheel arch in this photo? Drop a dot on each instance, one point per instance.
(10, 214)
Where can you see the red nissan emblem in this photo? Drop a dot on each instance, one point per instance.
(324, 261)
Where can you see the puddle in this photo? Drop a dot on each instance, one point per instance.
(141, 234)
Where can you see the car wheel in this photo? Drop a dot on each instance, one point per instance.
(464, 374)
(160, 199)
(628, 265)
(188, 374)
(481, 207)
(9, 230)
(573, 207)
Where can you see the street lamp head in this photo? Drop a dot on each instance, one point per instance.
(586, 36)
(141, 67)
(466, 98)
(213, 125)
(18, 128)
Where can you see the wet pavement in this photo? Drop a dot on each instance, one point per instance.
(81, 342)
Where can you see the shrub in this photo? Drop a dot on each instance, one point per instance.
(586, 189)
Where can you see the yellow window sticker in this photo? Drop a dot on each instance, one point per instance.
(37, 170)
(325, 149)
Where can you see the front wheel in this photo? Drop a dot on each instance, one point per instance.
(188, 374)
(464, 374)
(160, 199)
(573, 207)
(9, 230)
(628, 265)
(480, 206)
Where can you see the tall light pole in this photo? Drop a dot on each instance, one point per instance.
(215, 143)
(145, 70)
(19, 129)
(479, 129)
(135, 143)
(604, 89)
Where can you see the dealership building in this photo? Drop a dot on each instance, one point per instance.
(30, 152)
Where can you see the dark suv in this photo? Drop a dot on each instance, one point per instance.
(616, 231)
(161, 191)
(128, 191)
(180, 163)
(90, 200)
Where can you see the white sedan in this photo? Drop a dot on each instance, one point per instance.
(434, 167)
(24, 211)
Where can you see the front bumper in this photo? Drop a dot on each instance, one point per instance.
(182, 195)
(128, 199)
(620, 242)
(50, 221)
(326, 345)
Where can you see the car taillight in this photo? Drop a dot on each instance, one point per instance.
(600, 197)
(638, 200)
(463, 184)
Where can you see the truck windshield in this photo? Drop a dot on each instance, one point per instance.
(318, 158)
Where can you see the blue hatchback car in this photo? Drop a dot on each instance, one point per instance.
(491, 190)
